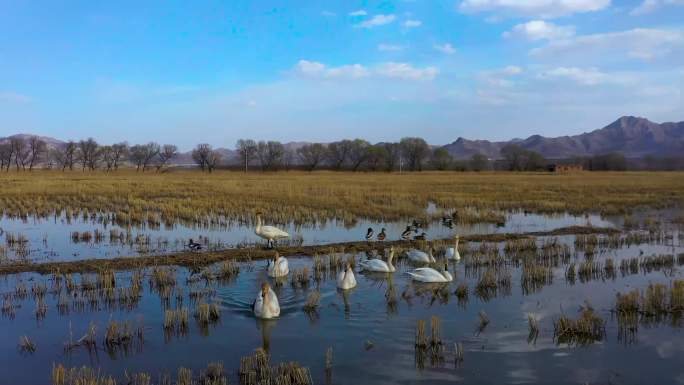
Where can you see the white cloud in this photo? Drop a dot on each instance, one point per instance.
(359, 12)
(500, 78)
(651, 5)
(445, 48)
(533, 8)
(406, 71)
(390, 47)
(540, 30)
(14, 97)
(317, 69)
(412, 23)
(640, 43)
(376, 21)
(584, 76)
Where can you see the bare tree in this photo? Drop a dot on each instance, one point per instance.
(200, 155)
(247, 149)
(393, 155)
(69, 155)
(88, 153)
(270, 154)
(20, 152)
(119, 153)
(358, 152)
(37, 149)
(137, 155)
(338, 152)
(441, 159)
(168, 152)
(311, 155)
(107, 155)
(213, 160)
(415, 151)
(377, 157)
(150, 151)
(5, 156)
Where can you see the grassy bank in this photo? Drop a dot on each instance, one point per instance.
(191, 197)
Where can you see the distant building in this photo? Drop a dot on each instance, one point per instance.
(565, 168)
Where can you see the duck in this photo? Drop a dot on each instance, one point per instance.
(452, 252)
(346, 279)
(270, 233)
(278, 266)
(192, 245)
(406, 235)
(266, 305)
(418, 256)
(382, 235)
(369, 234)
(415, 225)
(420, 237)
(378, 265)
(430, 275)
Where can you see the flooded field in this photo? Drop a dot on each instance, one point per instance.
(61, 239)
(509, 316)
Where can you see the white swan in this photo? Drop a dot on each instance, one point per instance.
(266, 305)
(278, 266)
(270, 233)
(346, 279)
(419, 256)
(452, 252)
(378, 265)
(430, 275)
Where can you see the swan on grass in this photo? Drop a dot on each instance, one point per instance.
(378, 265)
(266, 305)
(418, 256)
(269, 233)
(278, 266)
(430, 275)
(452, 252)
(346, 279)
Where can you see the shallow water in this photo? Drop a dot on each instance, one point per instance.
(51, 239)
(346, 321)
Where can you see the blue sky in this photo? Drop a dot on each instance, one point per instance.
(191, 72)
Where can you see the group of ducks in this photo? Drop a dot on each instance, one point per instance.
(266, 305)
(406, 235)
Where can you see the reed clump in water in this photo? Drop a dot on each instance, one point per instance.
(176, 321)
(653, 304)
(462, 294)
(80, 376)
(534, 277)
(312, 301)
(206, 314)
(533, 325)
(123, 335)
(256, 369)
(586, 329)
(26, 345)
(300, 277)
(482, 321)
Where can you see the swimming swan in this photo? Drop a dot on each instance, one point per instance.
(270, 233)
(378, 265)
(452, 252)
(278, 266)
(266, 305)
(346, 279)
(430, 275)
(419, 256)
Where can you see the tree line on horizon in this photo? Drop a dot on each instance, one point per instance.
(409, 154)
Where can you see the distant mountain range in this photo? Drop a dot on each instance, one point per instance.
(633, 137)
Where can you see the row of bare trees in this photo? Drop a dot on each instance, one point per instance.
(25, 153)
(21, 153)
(357, 154)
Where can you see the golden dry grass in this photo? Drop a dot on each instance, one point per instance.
(224, 196)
